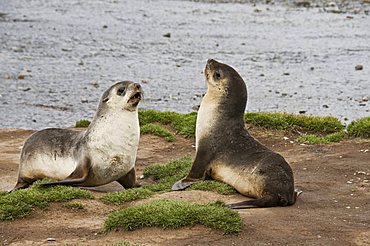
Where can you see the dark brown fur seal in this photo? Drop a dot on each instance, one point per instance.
(105, 152)
(225, 151)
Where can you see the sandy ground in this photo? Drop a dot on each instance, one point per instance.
(334, 208)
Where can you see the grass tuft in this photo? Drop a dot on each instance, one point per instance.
(330, 138)
(359, 128)
(74, 205)
(290, 122)
(82, 123)
(184, 124)
(158, 131)
(126, 195)
(20, 203)
(175, 214)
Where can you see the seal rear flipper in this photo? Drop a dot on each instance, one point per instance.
(266, 201)
(129, 180)
(77, 177)
(22, 184)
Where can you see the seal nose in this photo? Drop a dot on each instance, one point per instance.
(137, 86)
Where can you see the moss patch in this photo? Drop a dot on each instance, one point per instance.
(82, 123)
(19, 204)
(175, 214)
(184, 124)
(314, 139)
(126, 195)
(74, 205)
(158, 131)
(359, 128)
(290, 122)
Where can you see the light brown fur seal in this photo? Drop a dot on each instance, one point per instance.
(105, 152)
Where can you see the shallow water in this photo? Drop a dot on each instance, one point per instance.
(292, 59)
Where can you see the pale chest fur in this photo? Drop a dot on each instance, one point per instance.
(113, 145)
(206, 118)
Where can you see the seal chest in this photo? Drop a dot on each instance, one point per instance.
(105, 152)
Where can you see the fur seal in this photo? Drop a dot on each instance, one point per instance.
(105, 152)
(226, 152)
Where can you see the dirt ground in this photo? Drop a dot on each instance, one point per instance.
(334, 208)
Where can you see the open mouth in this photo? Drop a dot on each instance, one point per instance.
(137, 96)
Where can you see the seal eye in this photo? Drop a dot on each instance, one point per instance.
(217, 75)
(121, 91)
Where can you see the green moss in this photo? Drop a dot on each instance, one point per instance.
(211, 185)
(20, 203)
(174, 214)
(290, 122)
(359, 128)
(313, 139)
(158, 131)
(74, 205)
(126, 195)
(82, 123)
(184, 124)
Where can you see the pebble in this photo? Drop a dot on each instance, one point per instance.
(51, 239)
(359, 67)
(325, 106)
(302, 111)
(365, 99)
(167, 35)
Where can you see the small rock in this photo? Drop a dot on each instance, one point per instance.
(195, 107)
(332, 7)
(81, 63)
(257, 11)
(349, 17)
(365, 99)
(359, 67)
(21, 76)
(105, 26)
(286, 73)
(285, 138)
(141, 177)
(262, 75)
(312, 68)
(325, 106)
(362, 104)
(167, 35)
(26, 89)
(84, 100)
(51, 239)
(302, 3)
(302, 111)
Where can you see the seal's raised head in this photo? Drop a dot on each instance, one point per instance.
(124, 94)
(225, 86)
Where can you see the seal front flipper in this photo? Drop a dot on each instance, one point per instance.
(129, 180)
(77, 177)
(182, 184)
(199, 171)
